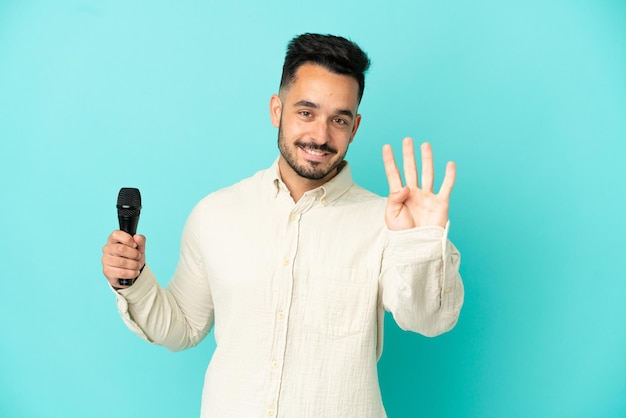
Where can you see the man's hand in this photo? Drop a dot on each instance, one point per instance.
(123, 257)
(411, 206)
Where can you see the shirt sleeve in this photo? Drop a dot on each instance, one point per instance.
(178, 316)
(420, 281)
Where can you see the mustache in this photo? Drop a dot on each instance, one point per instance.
(317, 147)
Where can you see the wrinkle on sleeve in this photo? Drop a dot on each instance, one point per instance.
(180, 315)
(420, 281)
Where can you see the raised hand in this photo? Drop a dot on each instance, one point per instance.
(410, 206)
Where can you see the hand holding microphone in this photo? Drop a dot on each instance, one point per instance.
(123, 256)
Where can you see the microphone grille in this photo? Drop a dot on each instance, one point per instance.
(129, 201)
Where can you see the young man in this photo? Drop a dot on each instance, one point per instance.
(295, 266)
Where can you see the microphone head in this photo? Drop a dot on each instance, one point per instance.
(128, 202)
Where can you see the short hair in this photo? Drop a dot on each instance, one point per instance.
(335, 53)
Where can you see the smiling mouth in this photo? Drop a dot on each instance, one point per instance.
(314, 150)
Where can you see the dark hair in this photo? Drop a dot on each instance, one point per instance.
(338, 55)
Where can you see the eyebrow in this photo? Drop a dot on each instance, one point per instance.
(306, 103)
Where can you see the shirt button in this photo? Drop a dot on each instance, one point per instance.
(447, 289)
(286, 262)
(293, 217)
(270, 412)
(281, 314)
(324, 201)
(274, 364)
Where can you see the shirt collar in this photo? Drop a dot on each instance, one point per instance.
(327, 193)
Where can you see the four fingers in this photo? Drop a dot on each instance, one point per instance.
(410, 169)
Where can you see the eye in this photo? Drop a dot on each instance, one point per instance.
(340, 121)
(305, 113)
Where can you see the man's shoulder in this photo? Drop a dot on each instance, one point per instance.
(245, 189)
(359, 194)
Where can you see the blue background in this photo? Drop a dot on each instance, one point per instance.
(528, 97)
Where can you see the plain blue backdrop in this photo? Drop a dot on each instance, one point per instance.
(528, 97)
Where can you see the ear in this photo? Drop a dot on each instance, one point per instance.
(276, 110)
(357, 122)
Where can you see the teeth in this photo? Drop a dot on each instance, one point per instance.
(314, 152)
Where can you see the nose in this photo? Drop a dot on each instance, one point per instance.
(321, 132)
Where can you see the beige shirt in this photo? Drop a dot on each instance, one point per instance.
(296, 293)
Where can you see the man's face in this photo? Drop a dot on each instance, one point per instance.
(317, 119)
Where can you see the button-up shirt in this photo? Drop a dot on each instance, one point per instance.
(295, 293)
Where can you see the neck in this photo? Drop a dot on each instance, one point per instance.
(298, 185)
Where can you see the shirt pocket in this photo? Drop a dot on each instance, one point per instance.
(338, 300)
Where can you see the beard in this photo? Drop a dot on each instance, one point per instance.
(309, 170)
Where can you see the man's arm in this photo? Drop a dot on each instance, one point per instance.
(420, 281)
(177, 317)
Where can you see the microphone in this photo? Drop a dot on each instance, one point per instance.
(128, 208)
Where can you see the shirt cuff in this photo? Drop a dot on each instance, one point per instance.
(132, 295)
(421, 243)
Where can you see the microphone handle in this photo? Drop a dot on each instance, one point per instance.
(128, 224)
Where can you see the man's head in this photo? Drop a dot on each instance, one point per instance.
(336, 54)
(316, 111)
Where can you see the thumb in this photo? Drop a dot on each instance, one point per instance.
(398, 197)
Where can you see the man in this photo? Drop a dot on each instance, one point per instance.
(295, 266)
